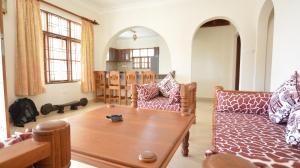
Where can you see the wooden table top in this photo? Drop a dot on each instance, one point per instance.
(98, 141)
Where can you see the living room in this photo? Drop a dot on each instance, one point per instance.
(240, 45)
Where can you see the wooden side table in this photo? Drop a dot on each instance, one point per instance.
(226, 161)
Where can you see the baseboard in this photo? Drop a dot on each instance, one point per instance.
(205, 99)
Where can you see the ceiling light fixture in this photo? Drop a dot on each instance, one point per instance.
(134, 36)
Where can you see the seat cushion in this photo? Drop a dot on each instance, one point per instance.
(255, 138)
(158, 103)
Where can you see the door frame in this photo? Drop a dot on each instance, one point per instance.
(238, 62)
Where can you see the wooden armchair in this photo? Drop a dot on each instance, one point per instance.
(50, 147)
(130, 78)
(101, 85)
(148, 77)
(187, 100)
(114, 86)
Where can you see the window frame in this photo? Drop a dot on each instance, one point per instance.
(69, 40)
(148, 62)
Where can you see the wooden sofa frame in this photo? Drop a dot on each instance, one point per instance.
(49, 148)
(187, 98)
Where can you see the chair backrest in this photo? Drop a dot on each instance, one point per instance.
(114, 78)
(130, 77)
(148, 77)
(100, 78)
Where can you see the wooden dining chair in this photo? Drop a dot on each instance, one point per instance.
(148, 77)
(101, 85)
(114, 86)
(130, 78)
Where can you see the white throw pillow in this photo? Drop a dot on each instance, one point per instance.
(283, 100)
(292, 134)
(167, 84)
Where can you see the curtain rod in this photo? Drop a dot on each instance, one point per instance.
(50, 4)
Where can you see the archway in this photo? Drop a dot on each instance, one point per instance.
(215, 57)
(153, 51)
(264, 47)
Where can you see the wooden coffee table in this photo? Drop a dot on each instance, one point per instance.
(97, 141)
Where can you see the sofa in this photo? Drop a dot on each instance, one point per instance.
(241, 126)
(187, 102)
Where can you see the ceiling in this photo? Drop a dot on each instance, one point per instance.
(102, 6)
(141, 32)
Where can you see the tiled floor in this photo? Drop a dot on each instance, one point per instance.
(200, 135)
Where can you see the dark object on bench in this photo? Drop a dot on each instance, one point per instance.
(47, 108)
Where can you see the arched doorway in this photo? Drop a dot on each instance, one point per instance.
(216, 57)
(269, 51)
(264, 47)
(138, 48)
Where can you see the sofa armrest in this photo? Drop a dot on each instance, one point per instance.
(49, 147)
(188, 97)
(134, 96)
(250, 102)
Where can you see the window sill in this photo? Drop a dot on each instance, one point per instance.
(61, 82)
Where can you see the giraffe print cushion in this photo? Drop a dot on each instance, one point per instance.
(243, 102)
(147, 91)
(292, 135)
(166, 85)
(283, 99)
(159, 103)
(256, 138)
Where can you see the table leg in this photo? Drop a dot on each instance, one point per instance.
(185, 145)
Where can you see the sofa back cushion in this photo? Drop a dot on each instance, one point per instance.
(147, 91)
(283, 100)
(243, 102)
(174, 95)
(167, 84)
(292, 135)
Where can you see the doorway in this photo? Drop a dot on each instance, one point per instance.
(216, 58)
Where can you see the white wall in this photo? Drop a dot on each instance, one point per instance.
(214, 59)
(55, 93)
(148, 42)
(286, 43)
(3, 117)
(177, 22)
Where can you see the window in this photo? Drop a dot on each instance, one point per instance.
(142, 58)
(62, 48)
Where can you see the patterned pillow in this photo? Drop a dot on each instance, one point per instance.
(13, 140)
(292, 134)
(283, 99)
(243, 102)
(175, 95)
(1, 145)
(147, 91)
(166, 85)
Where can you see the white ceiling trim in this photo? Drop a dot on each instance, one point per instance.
(95, 7)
